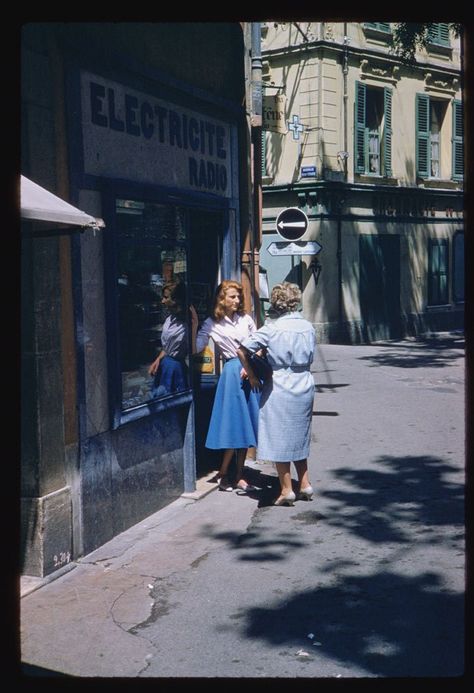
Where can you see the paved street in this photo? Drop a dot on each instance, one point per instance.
(367, 580)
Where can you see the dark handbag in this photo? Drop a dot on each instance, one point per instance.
(260, 366)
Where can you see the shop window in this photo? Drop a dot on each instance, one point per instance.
(151, 263)
(373, 130)
(438, 269)
(458, 267)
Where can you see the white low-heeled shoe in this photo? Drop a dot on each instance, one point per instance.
(289, 499)
(306, 493)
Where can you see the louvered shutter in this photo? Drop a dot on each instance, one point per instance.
(381, 26)
(458, 142)
(422, 135)
(439, 34)
(387, 134)
(359, 138)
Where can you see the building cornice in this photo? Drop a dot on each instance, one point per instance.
(368, 54)
(348, 188)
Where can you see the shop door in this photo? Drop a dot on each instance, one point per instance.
(205, 233)
(379, 286)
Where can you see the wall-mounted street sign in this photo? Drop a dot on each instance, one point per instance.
(291, 223)
(308, 172)
(294, 248)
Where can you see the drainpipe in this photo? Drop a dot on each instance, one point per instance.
(345, 70)
(340, 201)
(250, 252)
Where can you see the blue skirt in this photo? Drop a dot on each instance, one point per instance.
(234, 418)
(171, 376)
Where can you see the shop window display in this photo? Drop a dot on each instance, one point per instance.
(151, 256)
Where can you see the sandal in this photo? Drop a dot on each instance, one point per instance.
(246, 487)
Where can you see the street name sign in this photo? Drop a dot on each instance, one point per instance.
(291, 224)
(294, 248)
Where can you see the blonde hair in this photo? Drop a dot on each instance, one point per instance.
(218, 310)
(285, 297)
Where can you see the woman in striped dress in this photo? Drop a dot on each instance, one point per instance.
(234, 418)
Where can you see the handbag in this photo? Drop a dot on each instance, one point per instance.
(260, 366)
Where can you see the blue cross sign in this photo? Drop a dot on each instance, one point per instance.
(295, 127)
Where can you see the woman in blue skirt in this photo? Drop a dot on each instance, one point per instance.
(234, 418)
(169, 369)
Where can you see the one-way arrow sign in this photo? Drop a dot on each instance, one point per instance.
(292, 223)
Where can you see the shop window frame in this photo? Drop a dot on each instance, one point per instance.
(120, 416)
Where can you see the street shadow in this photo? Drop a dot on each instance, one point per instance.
(427, 352)
(388, 624)
(393, 621)
(405, 492)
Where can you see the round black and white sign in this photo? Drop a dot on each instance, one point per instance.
(292, 223)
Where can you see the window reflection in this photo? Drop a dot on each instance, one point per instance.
(151, 257)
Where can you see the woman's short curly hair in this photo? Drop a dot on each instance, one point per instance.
(285, 297)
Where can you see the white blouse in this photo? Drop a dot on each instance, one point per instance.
(174, 337)
(227, 334)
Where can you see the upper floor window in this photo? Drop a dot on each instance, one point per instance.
(432, 138)
(373, 130)
(458, 141)
(438, 34)
(378, 26)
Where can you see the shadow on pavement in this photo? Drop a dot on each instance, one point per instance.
(427, 352)
(394, 619)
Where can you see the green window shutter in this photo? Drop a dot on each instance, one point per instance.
(381, 26)
(387, 132)
(458, 141)
(359, 128)
(422, 135)
(439, 33)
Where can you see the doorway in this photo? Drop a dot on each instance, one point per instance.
(379, 286)
(205, 258)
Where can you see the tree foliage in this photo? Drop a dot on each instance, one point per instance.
(408, 37)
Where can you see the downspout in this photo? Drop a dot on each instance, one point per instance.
(340, 201)
(250, 253)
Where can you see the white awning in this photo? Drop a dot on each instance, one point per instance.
(41, 205)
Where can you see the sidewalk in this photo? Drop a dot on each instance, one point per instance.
(366, 581)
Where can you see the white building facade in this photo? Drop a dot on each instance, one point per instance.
(371, 150)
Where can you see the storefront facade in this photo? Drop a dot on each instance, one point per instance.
(158, 149)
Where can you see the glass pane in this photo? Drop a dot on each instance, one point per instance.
(152, 300)
(374, 152)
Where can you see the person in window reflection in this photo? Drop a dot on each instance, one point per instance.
(234, 417)
(169, 369)
(286, 404)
